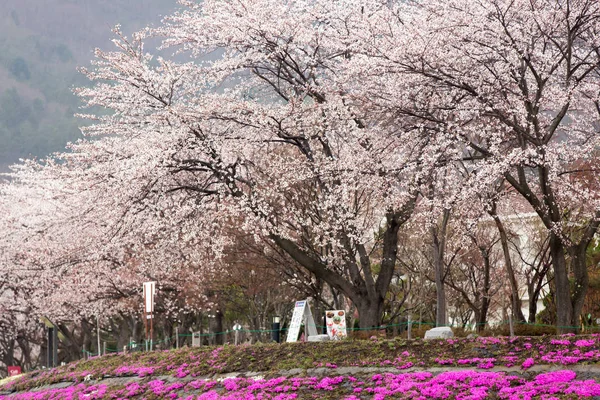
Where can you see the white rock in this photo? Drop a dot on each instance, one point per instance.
(441, 332)
(318, 338)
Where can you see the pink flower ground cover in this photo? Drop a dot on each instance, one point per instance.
(480, 353)
(484, 359)
(460, 385)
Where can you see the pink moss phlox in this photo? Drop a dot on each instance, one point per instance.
(585, 343)
(462, 384)
(528, 363)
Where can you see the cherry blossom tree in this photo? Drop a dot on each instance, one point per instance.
(66, 253)
(270, 133)
(322, 127)
(515, 84)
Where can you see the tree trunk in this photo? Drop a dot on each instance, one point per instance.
(366, 288)
(485, 295)
(124, 332)
(534, 288)
(72, 344)
(532, 308)
(8, 358)
(438, 234)
(440, 311)
(370, 313)
(579, 266)
(515, 300)
(550, 213)
(25, 346)
(87, 335)
(217, 328)
(564, 307)
(481, 323)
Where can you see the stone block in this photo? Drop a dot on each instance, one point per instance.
(441, 332)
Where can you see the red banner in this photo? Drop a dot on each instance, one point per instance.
(14, 371)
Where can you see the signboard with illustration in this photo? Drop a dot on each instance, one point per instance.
(336, 324)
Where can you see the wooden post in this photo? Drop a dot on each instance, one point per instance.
(176, 337)
(104, 348)
(409, 328)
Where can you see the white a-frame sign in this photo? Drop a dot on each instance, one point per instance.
(301, 313)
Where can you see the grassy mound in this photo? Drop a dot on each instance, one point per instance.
(485, 365)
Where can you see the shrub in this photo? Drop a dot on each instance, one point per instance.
(527, 330)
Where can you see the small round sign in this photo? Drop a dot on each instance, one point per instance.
(237, 327)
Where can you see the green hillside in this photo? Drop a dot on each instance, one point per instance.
(41, 46)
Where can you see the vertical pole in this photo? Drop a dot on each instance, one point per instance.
(275, 331)
(409, 329)
(55, 347)
(145, 316)
(151, 330)
(237, 337)
(50, 352)
(98, 333)
(83, 352)
(146, 325)
(104, 348)
(176, 337)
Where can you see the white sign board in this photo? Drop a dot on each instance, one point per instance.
(301, 313)
(336, 324)
(196, 339)
(296, 321)
(149, 292)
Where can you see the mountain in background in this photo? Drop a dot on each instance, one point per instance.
(42, 42)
